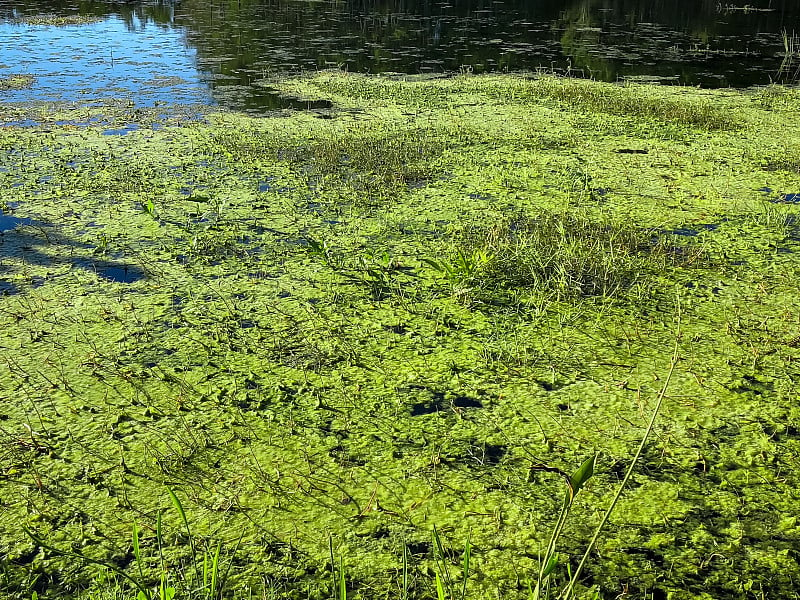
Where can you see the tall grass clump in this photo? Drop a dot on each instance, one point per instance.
(789, 71)
(558, 256)
(383, 160)
(628, 100)
(374, 162)
(786, 158)
(379, 91)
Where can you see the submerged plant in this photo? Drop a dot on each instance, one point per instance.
(203, 581)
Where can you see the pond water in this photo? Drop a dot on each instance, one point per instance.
(194, 51)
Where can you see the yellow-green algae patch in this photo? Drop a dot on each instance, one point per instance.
(53, 20)
(351, 328)
(16, 82)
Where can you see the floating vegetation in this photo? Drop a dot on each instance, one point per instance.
(53, 20)
(558, 256)
(375, 163)
(379, 354)
(16, 82)
(631, 100)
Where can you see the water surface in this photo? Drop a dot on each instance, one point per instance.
(223, 52)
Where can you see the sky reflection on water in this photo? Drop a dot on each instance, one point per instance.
(211, 52)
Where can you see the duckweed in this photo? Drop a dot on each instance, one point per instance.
(289, 361)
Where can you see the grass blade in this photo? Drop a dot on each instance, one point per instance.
(342, 581)
(439, 588)
(404, 593)
(333, 565)
(439, 548)
(177, 504)
(573, 580)
(136, 551)
(465, 567)
(215, 572)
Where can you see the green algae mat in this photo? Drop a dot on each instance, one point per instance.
(264, 357)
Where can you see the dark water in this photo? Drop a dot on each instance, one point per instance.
(200, 51)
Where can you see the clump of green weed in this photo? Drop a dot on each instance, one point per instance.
(559, 256)
(785, 159)
(202, 578)
(777, 97)
(774, 216)
(378, 91)
(375, 163)
(629, 100)
(374, 268)
(789, 71)
(51, 20)
(16, 82)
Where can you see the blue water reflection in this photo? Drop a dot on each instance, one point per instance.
(144, 64)
(220, 52)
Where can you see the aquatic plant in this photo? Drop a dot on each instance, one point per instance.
(630, 100)
(463, 268)
(558, 256)
(16, 82)
(789, 70)
(203, 579)
(53, 20)
(376, 164)
(447, 587)
(307, 360)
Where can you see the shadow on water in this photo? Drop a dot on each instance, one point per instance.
(258, 99)
(30, 240)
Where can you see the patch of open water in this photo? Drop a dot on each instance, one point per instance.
(7, 222)
(210, 52)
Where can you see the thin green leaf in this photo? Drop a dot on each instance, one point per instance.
(215, 572)
(136, 552)
(442, 560)
(432, 263)
(333, 563)
(206, 573)
(160, 540)
(465, 567)
(551, 565)
(439, 588)
(405, 573)
(177, 504)
(342, 582)
(581, 476)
